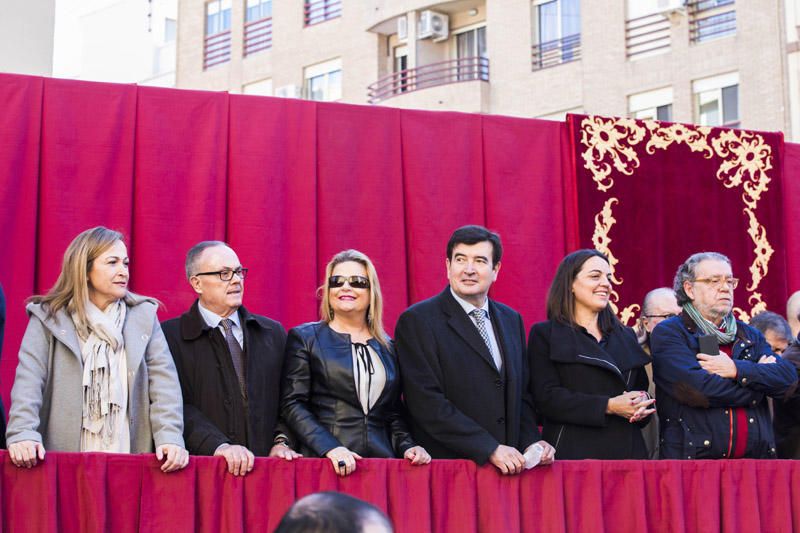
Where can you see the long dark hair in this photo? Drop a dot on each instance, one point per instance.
(561, 299)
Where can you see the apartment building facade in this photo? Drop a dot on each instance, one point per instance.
(712, 62)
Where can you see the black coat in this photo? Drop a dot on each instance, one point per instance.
(573, 377)
(460, 406)
(320, 404)
(213, 408)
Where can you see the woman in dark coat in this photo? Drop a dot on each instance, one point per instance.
(588, 375)
(341, 387)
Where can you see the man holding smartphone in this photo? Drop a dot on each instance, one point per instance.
(713, 372)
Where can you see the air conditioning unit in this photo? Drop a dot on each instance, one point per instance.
(289, 91)
(402, 28)
(433, 25)
(668, 7)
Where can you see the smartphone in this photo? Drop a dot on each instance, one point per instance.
(709, 344)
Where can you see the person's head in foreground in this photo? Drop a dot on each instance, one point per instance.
(333, 512)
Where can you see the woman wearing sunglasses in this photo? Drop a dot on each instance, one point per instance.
(341, 387)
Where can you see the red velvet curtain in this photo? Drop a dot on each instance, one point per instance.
(20, 135)
(90, 492)
(650, 194)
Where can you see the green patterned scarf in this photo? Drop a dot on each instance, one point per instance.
(725, 336)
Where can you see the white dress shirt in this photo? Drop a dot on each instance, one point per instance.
(213, 320)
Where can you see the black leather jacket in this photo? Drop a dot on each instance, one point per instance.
(320, 403)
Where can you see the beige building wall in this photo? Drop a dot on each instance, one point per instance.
(294, 47)
(26, 37)
(764, 52)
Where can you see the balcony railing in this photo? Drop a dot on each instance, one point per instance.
(316, 11)
(647, 35)
(552, 53)
(257, 35)
(442, 73)
(711, 19)
(217, 49)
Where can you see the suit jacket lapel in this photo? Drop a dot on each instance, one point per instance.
(463, 326)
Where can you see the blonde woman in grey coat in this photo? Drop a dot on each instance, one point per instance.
(95, 373)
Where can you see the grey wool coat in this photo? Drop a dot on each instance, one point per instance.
(46, 399)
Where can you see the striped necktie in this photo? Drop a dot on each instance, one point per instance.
(237, 355)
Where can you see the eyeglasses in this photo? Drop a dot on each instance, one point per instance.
(227, 274)
(716, 283)
(663, 317)
(356, 282)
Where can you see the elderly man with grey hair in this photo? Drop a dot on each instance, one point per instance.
(712, 401)
(229, 363)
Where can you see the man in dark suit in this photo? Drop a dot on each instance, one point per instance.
(462, 359)
(229, 363)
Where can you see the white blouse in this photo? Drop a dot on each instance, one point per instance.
(369, 375)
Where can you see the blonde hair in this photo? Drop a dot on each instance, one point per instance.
(71, 290)
(375, 310)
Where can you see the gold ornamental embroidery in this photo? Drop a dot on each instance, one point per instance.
(758, 306)
(662, 136)
(609, 143)
(603, 222)
(746, 160)
(763, 250)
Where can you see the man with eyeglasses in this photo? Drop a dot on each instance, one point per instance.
(657, 306)
(713, 372)
(229, 363)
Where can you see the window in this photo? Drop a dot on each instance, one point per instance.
(257, 10)
(471, 53)
(217, 45)
(316, 11)
(170, 30)
(323, 82)
(557, 32)
(399, 67)
(218, 16)
(260, 88)
(717, 100)
(647, 29)
(651, 105)
(711, 19)
(257, 26)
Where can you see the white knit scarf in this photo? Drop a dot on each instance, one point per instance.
(101, 352)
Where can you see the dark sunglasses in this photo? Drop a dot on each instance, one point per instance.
(356, 282)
